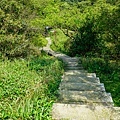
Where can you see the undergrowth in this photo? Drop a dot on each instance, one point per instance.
(58, 40)
(108, 72)
(29, 87)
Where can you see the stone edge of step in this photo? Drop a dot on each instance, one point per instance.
(103, 98)
(88, 78)
(75, 111)
(66, 86)
(81, 74)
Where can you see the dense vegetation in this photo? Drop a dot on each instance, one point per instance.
(89, 29)
(28, 87)
(29, 79)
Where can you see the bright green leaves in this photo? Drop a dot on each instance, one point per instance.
(15, 30)
(103, 18)
(39, 41)
(28, 88)
(15, 79)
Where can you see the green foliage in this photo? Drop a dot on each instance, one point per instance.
(13, 46)
(85, 41)
(97, 31)
(58, 40)
(39, 40)
(49, 67)
(96, 23)
(12, 13)
(15, 29)
(28, 88)
(108, 72)
(86, 27)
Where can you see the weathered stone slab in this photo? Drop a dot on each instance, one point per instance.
(69, 60)
(49, 42)
(49, 51)
(75, 71)
(82, 112)
(61, 56)
(80, 79)
(77, 61)
(82, 86)
(79, 73)
(73, 64)
(72, 59)
(68, 96)
(115, 114)
(74, 68)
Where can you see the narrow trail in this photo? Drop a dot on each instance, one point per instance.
(81, 95)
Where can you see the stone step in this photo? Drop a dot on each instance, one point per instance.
(116, 113)
(61, 56)
(80, 79)
(83, 112)
(49, 51)
(55, 54)
(82, 86)
(74, 68)
(79, 73)
(76, 71)
(67, 96)
(73, 59)
(70, 59)
(73, 64)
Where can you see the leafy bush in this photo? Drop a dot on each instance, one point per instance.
(15, 29)
(85, 41)
(96, 24)
(39, 41)
(58, 40)
(13, 46)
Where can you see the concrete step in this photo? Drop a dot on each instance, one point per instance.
(49, 51)
(73, 64)
(79, 72)
(61, 56)
(79, 79)
(82, 86)
(67, 96)
(70, 60)
(73, 59)
(75, 71)
(83, 112)
(73, 68)
(116, 113)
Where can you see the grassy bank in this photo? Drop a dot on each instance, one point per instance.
(29, 87)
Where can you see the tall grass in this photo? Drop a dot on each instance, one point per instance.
(29, 87)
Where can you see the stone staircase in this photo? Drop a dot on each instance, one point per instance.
(81, 95)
